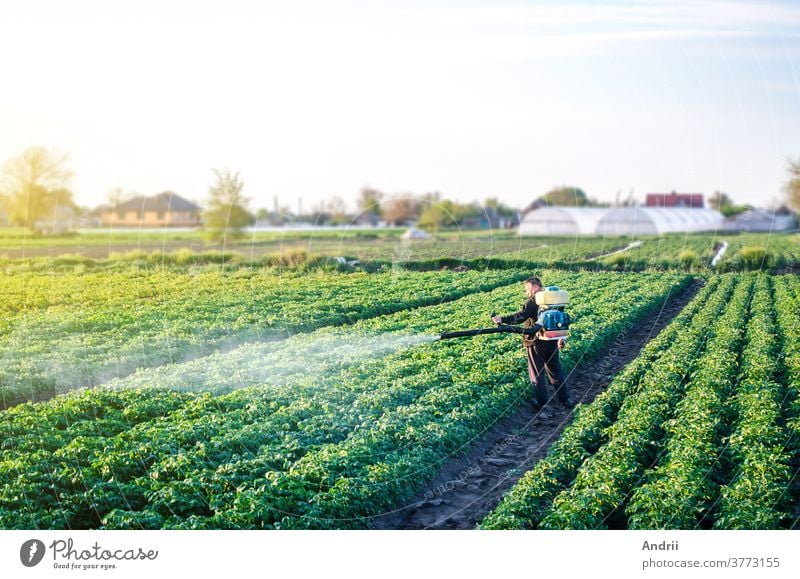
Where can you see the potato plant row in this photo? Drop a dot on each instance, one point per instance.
(58, 333)
(283, 457)
(680, 491)
(787, 304)
(699, 443)
(755, 497)
(606, 479)
(531, 499)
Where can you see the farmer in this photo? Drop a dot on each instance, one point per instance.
(542, 354)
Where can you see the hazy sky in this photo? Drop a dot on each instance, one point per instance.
(473, 99)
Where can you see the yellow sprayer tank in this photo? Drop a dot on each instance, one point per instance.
(551, 296)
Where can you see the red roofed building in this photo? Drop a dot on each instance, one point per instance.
(691, 200)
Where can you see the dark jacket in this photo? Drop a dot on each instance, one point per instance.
(527, 317)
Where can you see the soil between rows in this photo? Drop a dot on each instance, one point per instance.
(469, 487)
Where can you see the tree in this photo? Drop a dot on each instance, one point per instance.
(369, 199)
(566, 196)
(719, 201)
(5, 208)
(226, 212)
(401, 209)
(722, 202)
(436, 215)
(446, 213)
(337, 209)
(792, 186)
(36, 180)
(499, 207)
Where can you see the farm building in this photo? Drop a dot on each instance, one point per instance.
(690, 200)
(562, 221)
(164, 209)
(762, 220)
(657, 221)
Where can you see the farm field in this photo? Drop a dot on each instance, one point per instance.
(192, 391)
(384, 248)
(60, 332)
(324, 450)
(383, 244)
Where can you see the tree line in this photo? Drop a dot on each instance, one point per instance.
(35, 183)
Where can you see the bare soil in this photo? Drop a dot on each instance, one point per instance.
(470, 487)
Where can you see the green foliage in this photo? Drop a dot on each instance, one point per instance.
(636, 397)
(369, 199)
(724, 204)
(596, 497)
(755, 257)
(226, 213)
(680, 491)
(446, 213)
(755, 497)
(688, 259)
(78, 329)
(566, 196)
(36, 181)
(686, 252)
(322, 452)
(761, 251)
(690, 437)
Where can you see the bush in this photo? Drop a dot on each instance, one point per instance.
(291, 258)
(688, 259)
(73, 259)
(754, 257)
(617, 261)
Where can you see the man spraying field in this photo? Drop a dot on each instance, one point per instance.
(543, 314)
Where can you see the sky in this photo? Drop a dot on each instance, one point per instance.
(315, 99)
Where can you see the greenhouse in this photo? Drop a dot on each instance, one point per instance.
(658, 220)
(761, 220)
(562, 221)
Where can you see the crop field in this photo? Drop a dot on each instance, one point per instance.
(700, 432)
(383, 244)
(203, 394)
(62, 332)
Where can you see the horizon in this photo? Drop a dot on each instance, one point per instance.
(471, 99)
(351, 209)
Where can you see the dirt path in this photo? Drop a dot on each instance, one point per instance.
(470, 487)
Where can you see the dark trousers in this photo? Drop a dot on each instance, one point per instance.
(543, 356)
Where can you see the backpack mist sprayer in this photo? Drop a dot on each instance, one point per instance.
(552, 322)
